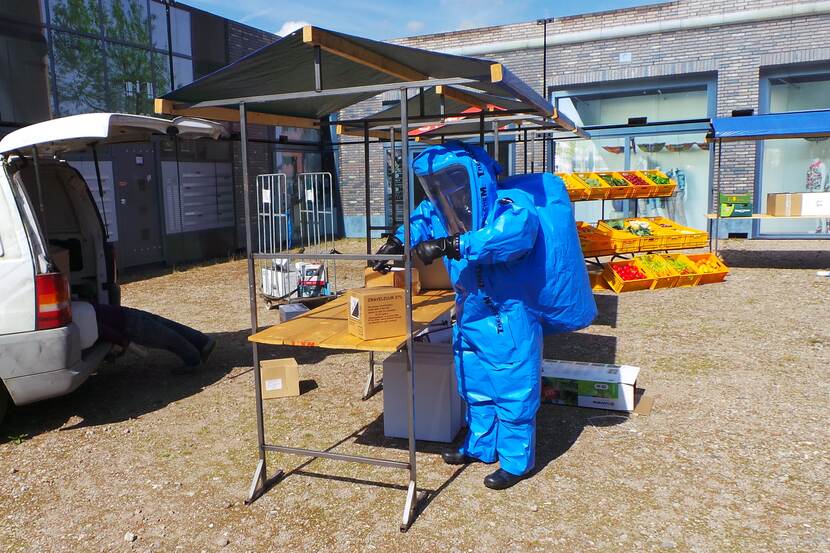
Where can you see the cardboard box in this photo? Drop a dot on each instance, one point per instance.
(433, 276)
(280, 378)
(377, 312)
(595, 385)
(395, 277)
(784, 205)
(815, 204)
(439, 411)
(60, 257)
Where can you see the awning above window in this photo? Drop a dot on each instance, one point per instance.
(802, 124)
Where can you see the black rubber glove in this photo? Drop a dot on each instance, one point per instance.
(392, 246)
(430, 250)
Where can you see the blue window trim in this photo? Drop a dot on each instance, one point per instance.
(768, 74)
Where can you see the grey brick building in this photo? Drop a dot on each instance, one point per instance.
(672, 61)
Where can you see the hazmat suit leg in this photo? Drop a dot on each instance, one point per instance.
(499, 376)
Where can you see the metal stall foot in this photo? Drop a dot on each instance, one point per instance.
(260, 484)
(371, 387)
(410, 508)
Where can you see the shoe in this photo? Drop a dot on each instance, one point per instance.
(207, 349)
(501, 480)
(458, 458)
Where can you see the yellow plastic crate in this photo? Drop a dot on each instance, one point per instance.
(672, 238)
(662, 190)
(683, 280)
(639, 191)
(691, 238)
(594, 192)
(615, 192)
(619, 285)
(594, 243)
(720, 269)
(577, 190)
(662, 279)
(644, 243)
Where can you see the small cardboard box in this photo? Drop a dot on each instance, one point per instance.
(280, 378)
(377, 312)
(784, 205)
(595, 385)
(815, 204)
(60, 257)
(433, 276)
(395, 277)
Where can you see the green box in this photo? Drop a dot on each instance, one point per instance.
(736, 198)
(735, 209)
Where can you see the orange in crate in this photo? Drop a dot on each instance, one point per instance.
(710, 267)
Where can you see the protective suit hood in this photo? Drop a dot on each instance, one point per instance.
(460, 181)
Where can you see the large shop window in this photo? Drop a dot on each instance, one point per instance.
(796, 164)
(684, 156)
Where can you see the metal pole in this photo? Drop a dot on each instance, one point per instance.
(496, 142)
(409, 506)
(169, 46)
(717, 197)
(544, 84)
(393, 165)
(366, 185)
(481, 129)
(260, 475)
(100, 191)
(525, 146)
(39, 192)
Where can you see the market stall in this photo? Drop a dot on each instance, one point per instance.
(299, 81)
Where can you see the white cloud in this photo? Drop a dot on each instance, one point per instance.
(414, 26)
(290, 26)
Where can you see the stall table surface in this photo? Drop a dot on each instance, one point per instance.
(327, 326)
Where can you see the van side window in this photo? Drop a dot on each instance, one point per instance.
(30, 224)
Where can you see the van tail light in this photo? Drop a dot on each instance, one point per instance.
(54, 309)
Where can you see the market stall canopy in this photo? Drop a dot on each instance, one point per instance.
(78, 132)
(313, 72)
(802, 124)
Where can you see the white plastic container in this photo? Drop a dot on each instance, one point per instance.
(439, 411)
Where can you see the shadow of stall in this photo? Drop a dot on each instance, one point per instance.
(132, 386)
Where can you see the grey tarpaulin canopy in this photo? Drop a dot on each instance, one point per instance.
(274, 81)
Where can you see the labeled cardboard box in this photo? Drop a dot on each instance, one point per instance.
(595, 385)
(395, 277)
(815, 204)
(280, 378)
(377, 312)
(784, 205)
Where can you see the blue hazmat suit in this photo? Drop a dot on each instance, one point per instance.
(520, 273)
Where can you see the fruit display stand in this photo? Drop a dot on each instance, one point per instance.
(655, 271)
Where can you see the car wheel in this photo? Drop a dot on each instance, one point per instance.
(5, 401)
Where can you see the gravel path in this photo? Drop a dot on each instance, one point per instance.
(734, 456)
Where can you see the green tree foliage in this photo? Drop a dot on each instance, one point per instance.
(99, 75)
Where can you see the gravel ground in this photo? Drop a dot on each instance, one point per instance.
(734, 456)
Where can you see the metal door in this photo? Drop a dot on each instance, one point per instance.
(139, 210)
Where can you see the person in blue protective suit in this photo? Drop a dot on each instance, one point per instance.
(500, 263)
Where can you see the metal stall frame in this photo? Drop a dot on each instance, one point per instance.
(261, 482)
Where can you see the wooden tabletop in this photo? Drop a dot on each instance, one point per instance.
(327, 326)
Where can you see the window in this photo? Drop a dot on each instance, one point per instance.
(795, 164)
(80, 77)
(678, 150)
(23, 90)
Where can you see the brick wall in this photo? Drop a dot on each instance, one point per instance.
(735, 53)
(242, 40)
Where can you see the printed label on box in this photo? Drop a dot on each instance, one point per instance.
(273, 384)
(354, 308)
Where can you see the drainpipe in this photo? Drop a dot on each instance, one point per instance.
(667, 26)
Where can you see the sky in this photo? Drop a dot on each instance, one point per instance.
(385, 19)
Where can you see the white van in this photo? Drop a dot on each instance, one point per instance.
(53, 250)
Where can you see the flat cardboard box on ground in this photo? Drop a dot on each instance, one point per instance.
(439, 411)
(280, 378)
(595, 385)
(377, 312)
(395, 277)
